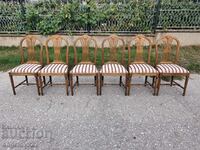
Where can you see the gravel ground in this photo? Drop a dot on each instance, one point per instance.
(108, 122)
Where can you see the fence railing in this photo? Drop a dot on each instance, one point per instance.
(124, 18)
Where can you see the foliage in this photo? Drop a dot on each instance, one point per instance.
(51, 16)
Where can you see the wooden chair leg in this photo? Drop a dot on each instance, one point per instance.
(185, 86)
(41, 85)
(101, 83)
(12, 84)
(26, 78)
(154, 85)
(37, 84)
(145, 82)
(129, 84)
(102, 80)
(120, 81)
(153, 82)
(126, 85)
(77, 81)
(44, 80)
(172, 79)
(71, 84)
(158, 85)
(97, 85)
(67, 84)
(50, 80)
(95, 80)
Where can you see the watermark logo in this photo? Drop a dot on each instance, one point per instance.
(14, 136)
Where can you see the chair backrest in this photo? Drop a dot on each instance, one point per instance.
(57, 42)
(85, 42)
(114, 43)
(31, 43)
(140, 42)
(168, 44)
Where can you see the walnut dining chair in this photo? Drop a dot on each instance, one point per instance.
(87, 65)
(56, 67)
(30, 65)
(139, 66)
(167, 57)
(114, 45)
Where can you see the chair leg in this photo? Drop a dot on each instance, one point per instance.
(41, 85)
(44, 80)
(158, 85)
(172, 79)
(67, 84)
(50, 80)
(96, 82)
(101, 83)
(26, 78)
(37, 84)
(145, 82)
(185, 86)
(129, 84)
(77, 81)
(71, 84)
(12, 84)
(154, 85)
(120, 81)
(126, 85)
(102, 80)
(153, 82)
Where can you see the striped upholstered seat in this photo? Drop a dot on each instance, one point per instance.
(142, 69)
(113, 69)
(171, 68)
(26, 68)
(84, 69)
(54, 68)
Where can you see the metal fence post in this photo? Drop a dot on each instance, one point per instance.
(88, 19)
(156, 15)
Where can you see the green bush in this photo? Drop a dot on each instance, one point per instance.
(51, 16)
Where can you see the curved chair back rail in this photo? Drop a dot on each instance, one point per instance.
(140, 42)
(167, 43)
(31, 52)
(57, 41)
(85, 42)
(113, 41)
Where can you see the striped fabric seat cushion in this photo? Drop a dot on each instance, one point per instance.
(84, 69)
(54, 68)
(26, 68)
(171, 68)
(142, 69)
(113, 68)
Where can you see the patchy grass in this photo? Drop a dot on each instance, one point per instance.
(189, 57)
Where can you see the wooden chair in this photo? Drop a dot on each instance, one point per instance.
(112, 67)
(31, 66)
(86, 67)
(140, 67)
(166, 64)
(57, 67)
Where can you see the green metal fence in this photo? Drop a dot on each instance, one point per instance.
(129, 17)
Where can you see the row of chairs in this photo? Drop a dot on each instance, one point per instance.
(140, 66)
